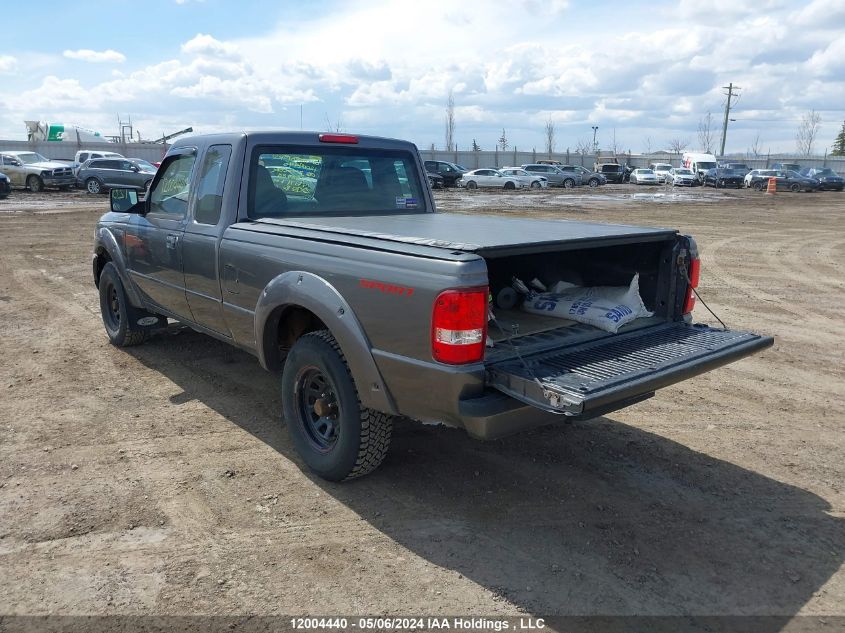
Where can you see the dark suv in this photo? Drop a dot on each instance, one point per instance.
(828, 179)
(612, 171)
(98, 175)
(450, 172)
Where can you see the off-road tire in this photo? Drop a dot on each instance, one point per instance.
(119, 328)
(35, 184)
(363, 434)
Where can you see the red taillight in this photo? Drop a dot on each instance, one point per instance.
(338, 138)
(694, 272)
(459, 326)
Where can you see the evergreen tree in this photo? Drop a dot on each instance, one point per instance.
(475, 146)
(839, 143)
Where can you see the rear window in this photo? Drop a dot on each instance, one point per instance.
(287, 181)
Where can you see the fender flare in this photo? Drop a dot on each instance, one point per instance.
(309, 291)
(107, 241)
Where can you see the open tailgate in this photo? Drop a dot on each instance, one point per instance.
(590, 378)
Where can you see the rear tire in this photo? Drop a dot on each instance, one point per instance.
(35, 184)
(758, 186)
(795, 187)
(568, 183)
(335, 435)
(114, 308)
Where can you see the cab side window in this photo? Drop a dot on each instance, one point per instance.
(212, 178)
(170, 192)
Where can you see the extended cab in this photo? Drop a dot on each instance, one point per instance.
(323, 255)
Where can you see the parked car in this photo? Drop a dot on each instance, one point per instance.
(786, 167)
(828, 179)
(101, 174)
(699, 163)
(736, 167)
(491, 178)
(681, 177)
(660, 170)
(435, 180)
(85, 155)
(531, 180)
(555, 176)
(613, 172)
(758, 178)
(723, 178)
(590, 178)
(33, 171)
(450, 172)
(5, 186)
(793, 181)
(370, 305)
(643, 176)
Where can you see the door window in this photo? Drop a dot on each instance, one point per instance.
(170, 192)
(209, 199)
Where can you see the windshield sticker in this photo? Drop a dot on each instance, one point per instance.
(400, 202)
(410, 203)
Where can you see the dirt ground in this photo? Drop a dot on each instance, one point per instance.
(160, 480)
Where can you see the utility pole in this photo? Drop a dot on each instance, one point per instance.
(730, 94)
(595, 129)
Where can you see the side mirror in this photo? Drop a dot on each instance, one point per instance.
(124, 201)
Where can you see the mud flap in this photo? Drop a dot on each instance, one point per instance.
(609, 373)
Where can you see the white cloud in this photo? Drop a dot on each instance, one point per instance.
(96, 57)
(203, 44)
(7, 63)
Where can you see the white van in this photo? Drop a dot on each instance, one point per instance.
(699, 163)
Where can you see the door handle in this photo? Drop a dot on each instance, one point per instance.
(172, 240)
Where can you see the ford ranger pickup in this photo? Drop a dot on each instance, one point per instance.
(323, 255)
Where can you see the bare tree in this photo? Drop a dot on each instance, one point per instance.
(756, 147)
(503, 140)
(450, 122)
(614, 146)
(583, 146)
(807, 132)
(706, 136)
(550, 136)
(337, 126)
(678, 145)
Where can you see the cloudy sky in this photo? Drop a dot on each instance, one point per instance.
(648, 70)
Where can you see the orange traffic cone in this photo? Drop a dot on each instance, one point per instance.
(772, 186)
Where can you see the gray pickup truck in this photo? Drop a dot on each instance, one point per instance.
(323, 255)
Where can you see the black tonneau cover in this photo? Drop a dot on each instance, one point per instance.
(483, 234)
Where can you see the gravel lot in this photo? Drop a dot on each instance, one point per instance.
(160, 480)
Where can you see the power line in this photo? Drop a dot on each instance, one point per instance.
(730, 94)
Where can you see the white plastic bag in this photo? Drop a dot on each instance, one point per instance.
(605, 307)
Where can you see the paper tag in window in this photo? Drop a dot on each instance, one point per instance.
(400, 202)
(410, 203)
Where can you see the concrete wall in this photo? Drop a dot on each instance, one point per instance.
(66, 150)
(476, 160)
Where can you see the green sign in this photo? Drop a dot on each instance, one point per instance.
(55, 132)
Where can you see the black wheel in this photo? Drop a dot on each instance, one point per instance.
(336, 437)
(472, 185)
(594, 182)
(114, 308)
(510, 185)
(536, 184)
(569, 183)
(35, 184)
(92, 185)
(758, 186)
(795, 187)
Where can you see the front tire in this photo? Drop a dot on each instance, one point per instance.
(114, 308)
(795, 187)
(510, 185)
(757, 186)
(35, 184)
(536, 185)
(594, 182)
(472, 185)
(92, 185)
(335, 435)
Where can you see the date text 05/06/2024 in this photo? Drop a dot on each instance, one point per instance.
(418, 623)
